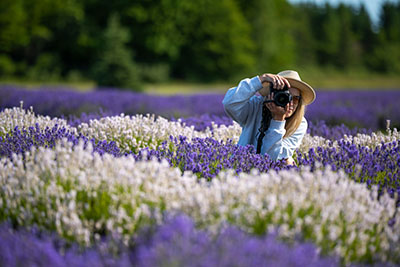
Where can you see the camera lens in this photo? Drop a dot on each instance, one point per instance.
(282, 98)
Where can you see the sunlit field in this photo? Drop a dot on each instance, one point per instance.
(112, 178)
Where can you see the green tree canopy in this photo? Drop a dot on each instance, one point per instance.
(199, 40)
(114, 66)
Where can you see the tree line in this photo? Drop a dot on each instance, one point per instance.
(123, 43)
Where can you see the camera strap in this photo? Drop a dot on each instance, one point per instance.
(265, 122)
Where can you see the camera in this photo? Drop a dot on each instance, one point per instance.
(281, 97)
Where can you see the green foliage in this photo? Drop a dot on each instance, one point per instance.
(303, 33)
(215, 41)
(7, 66)
(154, 73)
(191, 40)
(272, 33)
(46, 68)
(387, 53)
(226, 48)
(115, 66)
(387, 58)
(13, 19)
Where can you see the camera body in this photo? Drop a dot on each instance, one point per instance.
(281, 97)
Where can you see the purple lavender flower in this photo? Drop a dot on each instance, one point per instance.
(365, 109)
(63, 101)
(21, 140)
(203, 121)
(24, 249)
(178, 243)
(379, 166)
(207, 157)
(38, 248)
(362, 109)
(337, 132)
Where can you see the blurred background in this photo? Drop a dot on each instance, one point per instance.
(174, 46)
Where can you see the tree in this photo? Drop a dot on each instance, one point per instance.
(12, 21)
(29, 29)
(387, 52)
(115, 66)
(349, 50)
(217, 44)
(272, 32)
(304, 34)
(367, 38)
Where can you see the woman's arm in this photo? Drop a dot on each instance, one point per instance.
(237, 103)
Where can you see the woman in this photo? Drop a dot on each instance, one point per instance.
(274, 130)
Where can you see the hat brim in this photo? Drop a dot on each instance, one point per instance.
(307, 92)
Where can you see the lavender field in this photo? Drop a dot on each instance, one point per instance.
(110, 178)
(356, 109)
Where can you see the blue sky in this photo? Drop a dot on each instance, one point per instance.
(373, 6)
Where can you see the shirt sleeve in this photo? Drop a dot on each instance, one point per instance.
(237, 101)
(278, 147)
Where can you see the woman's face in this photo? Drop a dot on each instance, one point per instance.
(296, 99)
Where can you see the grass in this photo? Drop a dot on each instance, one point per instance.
(370, 83)
(186, 88)
(83, 86)
(328, 79)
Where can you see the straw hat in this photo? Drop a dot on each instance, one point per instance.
(307, 92)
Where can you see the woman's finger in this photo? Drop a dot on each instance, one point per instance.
(274, 82)
(290, 108)
(287, 107)
(281, 83)
(286, 82)
(270, 96)
(270, 106)
(276, 85)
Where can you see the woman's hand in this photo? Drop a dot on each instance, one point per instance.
(279, 113)
(276, 81)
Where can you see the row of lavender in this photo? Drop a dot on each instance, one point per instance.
(112, 177)
(362, 109)
(176, 242)
(207, 157)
